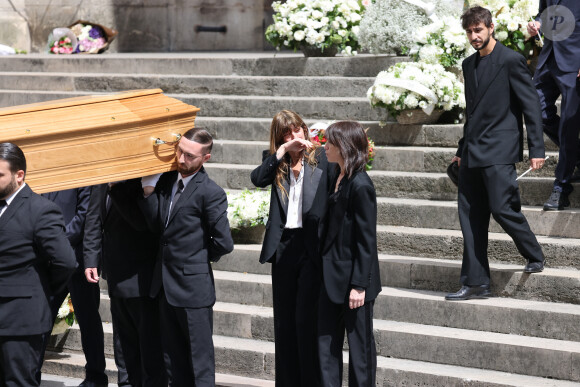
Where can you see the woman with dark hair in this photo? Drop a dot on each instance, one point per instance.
(297, 170)
(350, 265)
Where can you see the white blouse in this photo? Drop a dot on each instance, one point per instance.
(294, 216)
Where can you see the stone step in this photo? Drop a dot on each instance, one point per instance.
(72, 364)
(309, 86)
(534, 191)
(501, 315)
(543, 357)
(234, 106)
(226, 63)
(242, 279)
(387, 158)
(390, 133)
(443, 215)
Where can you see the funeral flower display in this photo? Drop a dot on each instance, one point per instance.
(388, 26)
(248, 208)
(63, 45)
(91, 38)
(443, 41)
(323, 24)
(510, 18)
(65, 317)
(416, 85)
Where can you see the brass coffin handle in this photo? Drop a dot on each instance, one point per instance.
(157, 141)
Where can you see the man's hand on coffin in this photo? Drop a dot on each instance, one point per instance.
(148, 183)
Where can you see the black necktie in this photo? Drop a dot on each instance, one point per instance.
(2, 204)
(176, 197)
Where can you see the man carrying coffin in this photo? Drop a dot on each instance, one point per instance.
(36, 262)
(189, 211)
(498, 93)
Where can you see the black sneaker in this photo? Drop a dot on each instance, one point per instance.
(557, 201)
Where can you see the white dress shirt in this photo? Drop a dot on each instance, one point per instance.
(294, 216)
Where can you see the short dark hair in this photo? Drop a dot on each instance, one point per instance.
(474, 16)
(14, 156)
(201, 136)
(352, 142)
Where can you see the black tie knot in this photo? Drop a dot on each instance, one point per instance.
(180, 186)
(2, 203)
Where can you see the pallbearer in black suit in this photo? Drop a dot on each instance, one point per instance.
(189, 211)
(558, 74)
(499, 94)
(297, 172)
(36, 262)
(85, 296)
(350, 264)
(118, 240)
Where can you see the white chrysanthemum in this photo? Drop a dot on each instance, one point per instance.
(502, 35)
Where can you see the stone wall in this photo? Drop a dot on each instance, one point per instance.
(148, 25)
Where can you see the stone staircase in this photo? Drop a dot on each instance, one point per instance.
(527, 336)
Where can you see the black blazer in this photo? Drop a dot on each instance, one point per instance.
(314, 197)
(120, 239)
(74, 204)
(493, 130)
(567, 51)
(349, 249)
(36, 262)
(197, 233)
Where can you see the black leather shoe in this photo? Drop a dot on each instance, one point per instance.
(557, 201)
(534, 267)
(469, 292)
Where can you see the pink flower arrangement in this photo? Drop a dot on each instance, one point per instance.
(61, 46)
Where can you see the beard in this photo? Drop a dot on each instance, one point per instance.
(9, 189)
(483, 45)
(187, 171)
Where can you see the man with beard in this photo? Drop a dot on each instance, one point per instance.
(36, 262)
(189, 211)
(498, 92)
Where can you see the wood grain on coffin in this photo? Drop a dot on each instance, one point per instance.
(77, 142)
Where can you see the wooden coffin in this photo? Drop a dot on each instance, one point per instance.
(78, 142)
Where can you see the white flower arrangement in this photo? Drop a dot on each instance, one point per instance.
(65, 316)
(388, 26)
(416, 85)
(510, 19)
(248, 208)
(443, 41)
(318, 23)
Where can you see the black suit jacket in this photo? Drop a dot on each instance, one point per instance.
(495, 109)
(120, 239)
(196, 233)
(74, 204)
(567, 51)
(349, 249)
(36, 261)
(314, 198)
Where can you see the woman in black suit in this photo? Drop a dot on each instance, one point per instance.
(297, 171)
(350, 266)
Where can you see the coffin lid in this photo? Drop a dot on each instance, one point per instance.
(93, 139)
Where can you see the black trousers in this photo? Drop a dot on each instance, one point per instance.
(137, 342)
(563, 130)
(484, 191)
(85, 297)
(186, 337)
(295, 285)
(333, 319)
(19, 360)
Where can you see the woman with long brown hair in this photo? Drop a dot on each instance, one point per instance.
(350, 265)
(297, 171)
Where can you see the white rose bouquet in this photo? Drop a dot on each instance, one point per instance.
(323, 24)
(443, 41)
(416, 85)
(248, 208)
(510, 20)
